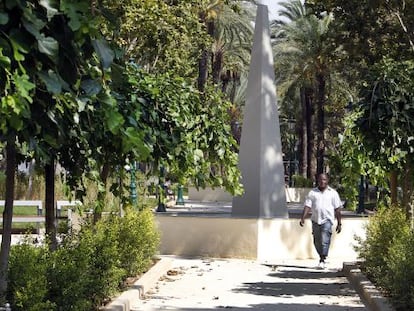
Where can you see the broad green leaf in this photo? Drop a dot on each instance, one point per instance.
(23, 86)
(134, 141)
(132, 121)
(4, 18)
(105, 53)
(33, 25)
(16, 53)
(4, 60)
(91, 87)
(50, 6)
(48, 46)
(74, 11)
(10, 4)
(76, 118)
(52, 81)
(114, 120)
(198, 155)
(51, 116)
(81, 104)
(52, 141)
(16, 122)
(8, 102)
(106, 98)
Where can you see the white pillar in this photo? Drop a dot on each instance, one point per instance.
(260, 156)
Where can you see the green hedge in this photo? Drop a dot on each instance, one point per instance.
(302, 182)
(388, 255)
(88, 268)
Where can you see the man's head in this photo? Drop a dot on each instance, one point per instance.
(323, 181)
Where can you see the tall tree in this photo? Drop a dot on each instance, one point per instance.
(367, 30)
(60, 54)
(228, 23)
(157, 35)
(387, 105)
(304, 58)
(232, 40)
(15, 90)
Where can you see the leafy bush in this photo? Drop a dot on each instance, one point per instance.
(2, 184)
(87, 269)
(140, 240)
(302, 182)
(384, 231)
(105, 270)
(400, 277)
(69, 273)
(28, 284)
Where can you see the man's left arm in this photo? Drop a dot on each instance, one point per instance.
(338, 217)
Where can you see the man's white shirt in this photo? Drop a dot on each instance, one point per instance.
(323, 204)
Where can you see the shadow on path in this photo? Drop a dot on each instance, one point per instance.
(273, 307)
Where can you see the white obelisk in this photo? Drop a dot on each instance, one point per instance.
(260, 156)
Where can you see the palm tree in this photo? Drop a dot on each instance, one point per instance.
(303, 60)
(229, 25)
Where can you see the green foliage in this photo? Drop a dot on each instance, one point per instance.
(140, 240)
(388, 255)
(190, 135)
(2, 184)
(387, 111)
(68, 274)
(368, 30)
(28, 283)
(400, 276)
(384, 230)
(355, 159)
(159, 35)
(87, 269)
(302, 182)
(84, 270)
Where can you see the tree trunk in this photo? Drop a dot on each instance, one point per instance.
(101, 195)
(393, 187)
(310, 170)
(217, 66)
(303, 159)
(50, 215)
(29, 192)
(202, 71)
(408, 190)
(7, 215)
(203, 61)
(320, 127)
(235, 79)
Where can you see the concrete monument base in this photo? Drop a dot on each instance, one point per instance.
(267, 240)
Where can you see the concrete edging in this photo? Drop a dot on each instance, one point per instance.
(364, 287)
(147, 281)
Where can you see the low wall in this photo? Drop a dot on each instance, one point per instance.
(209, 194)
(221, 195)
(264, 239)
(296, 194)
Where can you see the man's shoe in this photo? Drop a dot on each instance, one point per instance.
(321, 265)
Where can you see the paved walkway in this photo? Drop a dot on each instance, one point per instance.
(210, 284)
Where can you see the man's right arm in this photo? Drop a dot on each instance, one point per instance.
(305, 213)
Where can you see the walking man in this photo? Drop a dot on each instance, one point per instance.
(325, 204)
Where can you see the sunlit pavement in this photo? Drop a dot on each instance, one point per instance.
(209, 284)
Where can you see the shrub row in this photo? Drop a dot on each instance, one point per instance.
(89, 267)
(388, 256)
